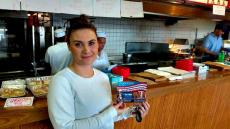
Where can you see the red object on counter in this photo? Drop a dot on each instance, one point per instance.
(121, 70)
(185, 64)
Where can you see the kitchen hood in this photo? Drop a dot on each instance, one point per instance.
(180, 9)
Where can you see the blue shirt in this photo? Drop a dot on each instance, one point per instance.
(213, 43)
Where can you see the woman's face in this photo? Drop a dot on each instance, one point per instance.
(83, 46)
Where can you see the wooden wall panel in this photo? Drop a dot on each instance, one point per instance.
(205, 106)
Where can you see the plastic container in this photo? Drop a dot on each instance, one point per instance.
(122, 71)
(114, 79)
(12, 92)
(39, 85)
(185, 64)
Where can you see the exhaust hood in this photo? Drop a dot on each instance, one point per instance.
(180, 9)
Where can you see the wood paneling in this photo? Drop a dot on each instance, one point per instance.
(199, 105)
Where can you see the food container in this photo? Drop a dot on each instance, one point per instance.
(38, 85)
(13, 88)
(185, 64)
(114, 79)
(121, 70)
(12, 92)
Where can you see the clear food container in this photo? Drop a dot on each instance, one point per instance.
(12, 92)
(13, 88)
(38, 85)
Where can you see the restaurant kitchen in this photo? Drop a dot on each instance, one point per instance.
(136, 43)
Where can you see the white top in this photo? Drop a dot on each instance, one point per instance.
(75, 102)
(58, 56)
(102, 61)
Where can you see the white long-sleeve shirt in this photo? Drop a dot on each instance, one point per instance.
(75, 102)
(102, 61)
(58, 56)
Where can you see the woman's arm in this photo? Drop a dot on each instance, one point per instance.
(61, 109)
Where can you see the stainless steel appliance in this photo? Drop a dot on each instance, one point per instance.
(22, 47)
(143, 55)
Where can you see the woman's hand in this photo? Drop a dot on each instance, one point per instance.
(120, 107)
(144, 109)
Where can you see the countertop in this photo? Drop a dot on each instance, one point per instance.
(12, 117)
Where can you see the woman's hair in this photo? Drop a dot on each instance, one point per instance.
(82, 22)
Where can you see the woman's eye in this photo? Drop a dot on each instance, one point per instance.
(78, 44)
(91, 43)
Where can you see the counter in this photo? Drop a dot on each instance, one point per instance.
(187, 104)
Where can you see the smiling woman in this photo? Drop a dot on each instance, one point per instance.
(84, 47)
(80, 96)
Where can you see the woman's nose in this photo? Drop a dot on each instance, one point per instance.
(86, 49)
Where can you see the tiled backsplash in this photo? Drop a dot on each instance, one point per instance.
(121, 30)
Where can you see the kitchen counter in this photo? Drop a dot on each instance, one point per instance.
(191, 103)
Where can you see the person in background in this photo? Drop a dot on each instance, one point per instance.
(213, 43)
(79, 96)
(102, 62)
(58, 56)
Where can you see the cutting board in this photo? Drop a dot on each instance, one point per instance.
(151, 76)
(140, 79)
(217, 65)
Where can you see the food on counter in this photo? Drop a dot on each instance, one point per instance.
(15, 84)
(13, 88)
(38, 85)
(11, 92)
(40, 91)
(140, 79)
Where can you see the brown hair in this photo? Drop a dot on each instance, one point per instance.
(82, 22)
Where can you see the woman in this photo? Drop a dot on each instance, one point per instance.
(80, 96)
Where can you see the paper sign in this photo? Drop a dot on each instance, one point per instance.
(199, 1)
(219, 10)
(132, 9)
(16, 102)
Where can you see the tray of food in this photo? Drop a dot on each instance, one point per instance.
(13, 88)
(12, 93)
(38, 85)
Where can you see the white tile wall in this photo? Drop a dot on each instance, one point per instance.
(121, 30)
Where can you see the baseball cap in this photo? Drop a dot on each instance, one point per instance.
(101, 34)
(221, 26)
(59, 33)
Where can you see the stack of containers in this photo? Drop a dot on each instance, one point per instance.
(13, 88)
(39, 85)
